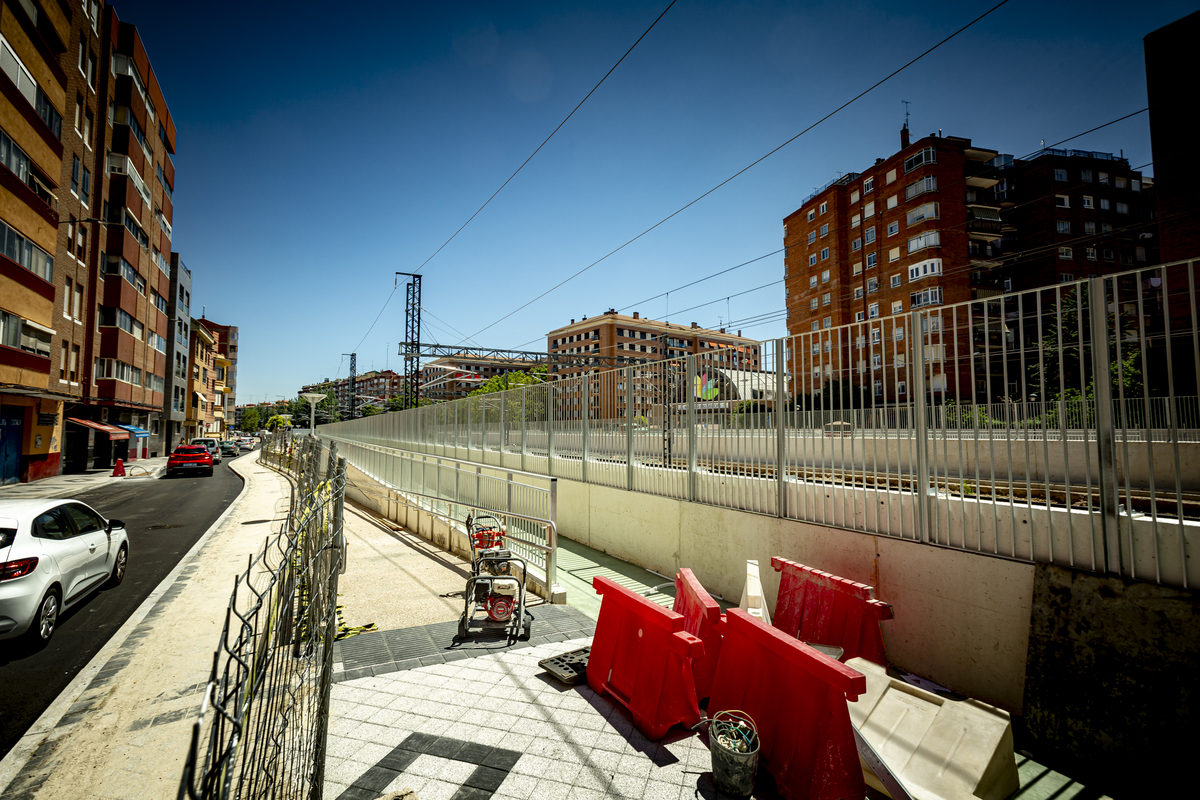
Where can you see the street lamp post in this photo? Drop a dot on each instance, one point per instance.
(313, 398)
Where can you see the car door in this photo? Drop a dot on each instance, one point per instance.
(91, 529)
(56, 535)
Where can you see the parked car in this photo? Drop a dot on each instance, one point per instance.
(190, 458)
(246, 443)
(229, 448)
(53, 553)
(213, 447)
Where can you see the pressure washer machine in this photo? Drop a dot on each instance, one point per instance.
(494, 586)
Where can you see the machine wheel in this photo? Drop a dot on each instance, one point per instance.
(526, 630)
(462, 627)
(118, 572)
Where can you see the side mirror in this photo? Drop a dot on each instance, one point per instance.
(114, 523)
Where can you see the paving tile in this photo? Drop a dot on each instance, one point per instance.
(377, 778)
(370, 753)
(550, 790)
(471, 793)
(627, 786)
(532, 765)
(606, 740)
(399, 760)
(501, 758)
(605, 760)
(518, 785)
(406, 781)
(592, 777)
(486, 778)
(347, 772)
(438, 790)
(636, 765)
(657, 790)
(562, 771)
(474, 752)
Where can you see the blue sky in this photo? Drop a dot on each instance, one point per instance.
(321, 151)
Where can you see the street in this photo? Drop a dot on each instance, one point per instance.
(163, 518)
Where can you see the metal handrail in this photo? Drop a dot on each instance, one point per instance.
(401, 451)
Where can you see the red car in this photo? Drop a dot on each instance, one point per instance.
(190, 458)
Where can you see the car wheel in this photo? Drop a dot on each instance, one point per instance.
(45, 621)
(118, 572)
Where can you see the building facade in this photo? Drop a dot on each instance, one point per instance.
(176, 400)
(33, 38)
(453, 377)
(204, 401)
(226, 359)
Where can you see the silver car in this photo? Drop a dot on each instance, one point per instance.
(213, 445)
(53, 553)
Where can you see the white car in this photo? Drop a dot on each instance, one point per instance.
(213, 445)
(53, 553)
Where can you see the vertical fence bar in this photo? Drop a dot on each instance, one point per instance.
(550, 429)
(629, 415)
(1105, 445)
(780, 428)
(921, 479)
(690, 392)
(585, 406)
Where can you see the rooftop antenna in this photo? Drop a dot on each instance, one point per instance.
(906, 104)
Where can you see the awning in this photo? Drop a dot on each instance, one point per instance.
(140, 433)
(114, 433)
(203, 399)
(40, 327)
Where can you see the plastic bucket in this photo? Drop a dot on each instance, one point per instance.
(733, 770)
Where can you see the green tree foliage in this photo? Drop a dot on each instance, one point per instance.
(250, 420)
(276, 422)
(327, 409)
(1061, 359)
(511, 380)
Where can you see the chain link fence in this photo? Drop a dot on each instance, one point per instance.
(262, 726)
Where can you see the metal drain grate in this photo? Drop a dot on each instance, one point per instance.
(569, 667)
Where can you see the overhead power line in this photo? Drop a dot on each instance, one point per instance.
(754, 163)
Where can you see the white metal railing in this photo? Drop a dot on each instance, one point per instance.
(1020, 425)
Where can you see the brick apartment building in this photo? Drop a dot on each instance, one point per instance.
(373, 388)
(616, 335)
(205, 408)
(33, 37)
(226, 360)
(117, 177)
(453, 377)
(176, 400)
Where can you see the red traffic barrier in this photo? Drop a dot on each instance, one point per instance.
(797, 697)
(642, 657)
(119, 469)
(702, 619)
(819, 607)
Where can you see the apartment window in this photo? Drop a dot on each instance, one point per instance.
(869, 210)
(1087, 202)
(923, 269)
(812, 236)
(893, 228)
(1066, 277)
(897, 306)
(91, 71)
(1105, 204)
(116, 265)
(856, 245)
(812, 281)
(811, 215)
(85, 189)
(876, 360)
(88, 122)
(858, 292)
(872, 259)
(825, 299)
(67, 292)
(827, 322)
(921, 213)
(824, 207)
(24, 252)
(868, 185)
(1135, 186)
(873, 311)
(898, 333)
(82, 57)
(825, 276)
(1140, 253)
(856, 220)
(1122, 208)
(859, 316)
(1060, 174)
(77, 308)
(926, 297)
(879, 388)
(1062, 201)
(1091, 253)
(872, 285)
(925, 156)
(1108, 254)
(893, 255)
(920, 186)
(893, 201)
(1008, 284)
(1085, 176)
(1063, 226)
(869, 234)
(1104, 177)
(78, 112)
(76, 167)
(1105, 227)
(891, 176)
(858, 268)
(812, 260)
(73, 364)
(1119, 182)
(895, 280)
(815, 325)
(824, 230)
(1065, 252)
(924, 240)
(812, 304)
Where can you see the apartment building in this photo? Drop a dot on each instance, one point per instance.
(373, 388)
(176, 400)
(33, 36)
(117, 177)
(205, 401)
(637, 340)
(227, 359)
(1071, 214)
(452, 377)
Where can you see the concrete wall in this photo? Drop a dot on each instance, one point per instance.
(962, 619)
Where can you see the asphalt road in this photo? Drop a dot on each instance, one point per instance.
(163, 518)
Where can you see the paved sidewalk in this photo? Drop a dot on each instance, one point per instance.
(76, 484)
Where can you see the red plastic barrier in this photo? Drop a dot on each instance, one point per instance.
(797, 697)
(818, 607)
(701, 618)
(641, 657)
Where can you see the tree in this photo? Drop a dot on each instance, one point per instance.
(511, 380)
(326, 411)
(1063, 357)
(250, 420)
(276, 422)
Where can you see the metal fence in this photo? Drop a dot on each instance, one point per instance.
(1058, 424)
(263, 723)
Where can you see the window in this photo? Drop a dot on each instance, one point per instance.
(893, 228)
(1122, 208)
(825, 276)
(1062, 226)
(898, 333)
(77, 309)
(1135, 186)
(926, 156)
(24, 252)
(1087, 202)
(868, 185)
(812, 304)
(895, 280)
(76, 166)
(812, 260)
(116, 265)
(815, 325)
(923, 269)
(824, 207)
(1119, 182)
(891, 176)
(91, 71)
(926, 184)
(811, 215)
(1091, 253)
(1066, 277)
(859, 316)
(869, 210)
(1085, 176)
(1060, 174)
(827, 322)
(1108, 254)
(856, 220)
(856, 245)
(824, 230)
(873, 311)
(921, 213)
(73, 364)
(879, 388)
(1062, 201)
(88, 122)
(812, 237)
(825, 299)
(893, 255)
(812, 281)
(160, 302)
(1140, 253)
(1065, 252)
(898, 307)
(1089, 227)
(858, 268)
(858, 292)
(876, 360)
(927, 297)
(872, 258)
(1105, 227)
(1105, 204)
(893, 201)
(1104, 177)
(924, 240)
(67, 292)
(85, 189)
(872, 285)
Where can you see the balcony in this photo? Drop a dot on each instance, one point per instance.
(119, 164)
(985, 254)
(980, 175)
(985, 229)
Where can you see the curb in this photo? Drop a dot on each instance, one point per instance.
(23, 750)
